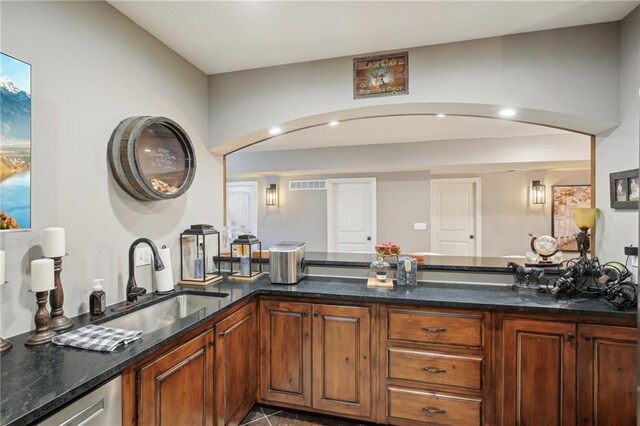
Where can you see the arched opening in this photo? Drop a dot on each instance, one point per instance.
(413, 150)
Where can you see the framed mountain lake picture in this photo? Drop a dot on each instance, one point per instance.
(15, 144)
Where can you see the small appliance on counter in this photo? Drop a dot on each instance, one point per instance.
(286, 262)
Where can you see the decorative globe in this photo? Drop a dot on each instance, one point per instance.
(545, 245)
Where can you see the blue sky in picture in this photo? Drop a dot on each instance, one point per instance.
(17, 71)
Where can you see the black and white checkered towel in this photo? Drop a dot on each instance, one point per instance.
(97, 338)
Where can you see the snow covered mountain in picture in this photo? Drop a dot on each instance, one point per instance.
(15, 144)
(15, 112)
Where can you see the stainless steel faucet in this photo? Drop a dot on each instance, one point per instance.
(133, 291)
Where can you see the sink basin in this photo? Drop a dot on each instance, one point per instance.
(162, 314)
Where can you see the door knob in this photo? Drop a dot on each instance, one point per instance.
(471, 236)
(368, 238)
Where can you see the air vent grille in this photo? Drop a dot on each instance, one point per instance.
(307, 185)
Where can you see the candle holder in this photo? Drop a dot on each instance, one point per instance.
(43, 334)
(58, 321)
(5, 345)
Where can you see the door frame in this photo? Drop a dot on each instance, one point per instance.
(331, 223)
(478, 208)
(251, 183)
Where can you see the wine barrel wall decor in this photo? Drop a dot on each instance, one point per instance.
(151, 158)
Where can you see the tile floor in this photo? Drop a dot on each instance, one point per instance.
(261, 415)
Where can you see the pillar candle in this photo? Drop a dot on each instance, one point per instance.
(54, 245)
(2, 270)
(42, 275)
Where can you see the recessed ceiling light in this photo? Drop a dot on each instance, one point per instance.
(334, 123)
(507, 112)
(441, 115)
(275, 130)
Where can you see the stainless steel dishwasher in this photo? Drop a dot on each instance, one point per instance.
(102, 407)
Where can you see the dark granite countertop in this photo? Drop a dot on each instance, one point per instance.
(36, 381)
(430, 263)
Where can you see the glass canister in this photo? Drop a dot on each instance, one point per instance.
(380, 274)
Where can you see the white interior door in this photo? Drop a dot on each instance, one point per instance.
(242, 206)
(455, 217)
(351, 215)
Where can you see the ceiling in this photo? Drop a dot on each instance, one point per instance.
(224, 36)
(399, 129)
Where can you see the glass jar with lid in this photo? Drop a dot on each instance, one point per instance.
(380, 274)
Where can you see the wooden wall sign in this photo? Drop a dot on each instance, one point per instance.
(151, 158)
(381, 75)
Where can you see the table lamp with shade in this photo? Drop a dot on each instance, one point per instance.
(585, 219)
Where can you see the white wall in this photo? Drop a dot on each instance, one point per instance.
(441, 156)
(617, 150)
(93, 67)
(572, 72)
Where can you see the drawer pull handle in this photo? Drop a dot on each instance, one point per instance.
(432, 410)
(434, 370)
(434, 330)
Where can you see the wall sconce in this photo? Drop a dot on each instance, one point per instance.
(272, 195)
(538, 192)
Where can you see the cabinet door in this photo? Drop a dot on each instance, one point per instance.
(539, 373)
(235, 369)
(607, 375)
(342, 366)
(177, 388)
(285, 352)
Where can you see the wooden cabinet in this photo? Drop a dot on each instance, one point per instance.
(436, 366)
(564, 373)
(606, 375)
(285, 345)
(539, 372)
(317, 356)
(177, 388)
(342, 364)
(235, 365)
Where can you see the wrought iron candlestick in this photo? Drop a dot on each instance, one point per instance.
(58, 321)
(43, 334)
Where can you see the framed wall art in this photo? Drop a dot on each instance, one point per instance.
(15, 144)
(565, 199)
(381, 75)
(624, 190)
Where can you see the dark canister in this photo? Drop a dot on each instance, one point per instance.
(97, 299)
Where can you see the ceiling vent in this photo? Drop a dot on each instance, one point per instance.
(307, 185)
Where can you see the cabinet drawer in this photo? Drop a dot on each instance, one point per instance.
(434, 408)
(434, 368)
(450, 328)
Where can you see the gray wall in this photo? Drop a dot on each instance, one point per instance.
(573, 71)
(93, 67)
(403, 198)
(618, 150)
(507, 213)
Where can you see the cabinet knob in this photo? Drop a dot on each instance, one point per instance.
(316, 315)
(434, 370)
(434, 330)
(570, 336)
(305, 314)
(587, 337)
(432, 410)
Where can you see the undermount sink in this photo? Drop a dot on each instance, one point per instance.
(162, 314)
